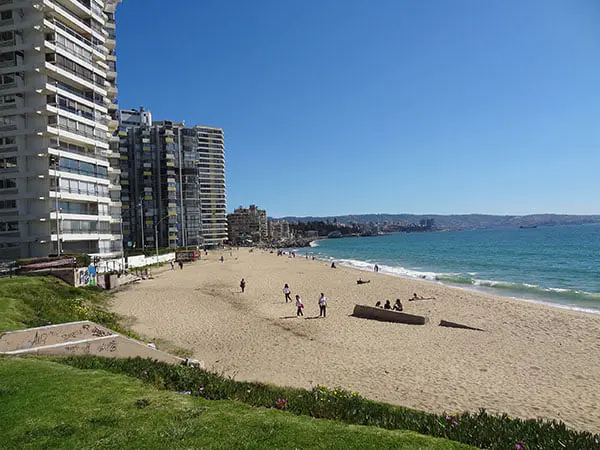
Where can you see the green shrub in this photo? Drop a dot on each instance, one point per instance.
(479, 429)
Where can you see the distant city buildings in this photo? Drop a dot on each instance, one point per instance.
(59, 155)
(173, 182)
(247, 224)
(279, 230)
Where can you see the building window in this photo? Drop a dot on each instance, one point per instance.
(9, 226)
(8, 183)
(7, 99)
(8, 120)
(8, 163)
(7, 57)
(8, 204)
(8, 140)
(7, 78)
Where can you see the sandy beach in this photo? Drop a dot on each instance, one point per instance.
(532, 361)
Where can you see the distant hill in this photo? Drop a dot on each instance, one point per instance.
(459, 222)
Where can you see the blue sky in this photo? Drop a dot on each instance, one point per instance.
(336, 107)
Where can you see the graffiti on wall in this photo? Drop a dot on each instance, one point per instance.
(86, 277)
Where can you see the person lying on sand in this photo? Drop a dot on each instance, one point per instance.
(360, 281)
(416, 297)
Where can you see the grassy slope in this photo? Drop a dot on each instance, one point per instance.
(46, 404)
(36, 301)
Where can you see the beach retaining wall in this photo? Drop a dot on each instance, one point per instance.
(79, 338)
(132, 262)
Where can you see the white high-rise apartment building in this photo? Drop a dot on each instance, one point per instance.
(59, 152)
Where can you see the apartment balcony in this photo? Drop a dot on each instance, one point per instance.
(74, 94)
(112, 123)
(94, 155)
(65, 75)
(111, 5)
(53, 9)
(74, 135)
(110, 43)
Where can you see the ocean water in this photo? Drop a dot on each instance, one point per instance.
(555, 265)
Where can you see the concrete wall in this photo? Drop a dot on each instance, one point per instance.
(50, 335)
(108, 347)
(386, 315)
(133, 262)
(78, 338)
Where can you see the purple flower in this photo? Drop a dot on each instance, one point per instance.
(518, 447)
(201, 388)
(281, 403)
(145, 372)
(455, 422)
(448, 418)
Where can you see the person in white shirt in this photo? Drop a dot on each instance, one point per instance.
(299, 305)
(287, 291)
(322, 306)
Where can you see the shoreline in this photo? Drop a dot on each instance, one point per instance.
(532, 361)
(482, 289)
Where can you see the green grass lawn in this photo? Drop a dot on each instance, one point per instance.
(37, 301)
(44, 404)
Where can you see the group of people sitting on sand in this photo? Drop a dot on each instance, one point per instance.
(397, 306)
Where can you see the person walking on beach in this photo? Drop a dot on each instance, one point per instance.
(376, 268)
(180, 265)
(172, 266)
(243, 285)
(287, 292)
(299, 305)
(322, 306)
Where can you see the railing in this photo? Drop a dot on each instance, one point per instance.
(76, 35)
(71, 15)
(75, 111)
(73, 91)
(80, 55)
(80, 132)
(77, 74)
(85, 3)
(97, 154)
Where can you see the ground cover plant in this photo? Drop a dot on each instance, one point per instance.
(50, 405)
(479, 429)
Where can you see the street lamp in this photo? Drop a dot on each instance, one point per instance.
(156, 234)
